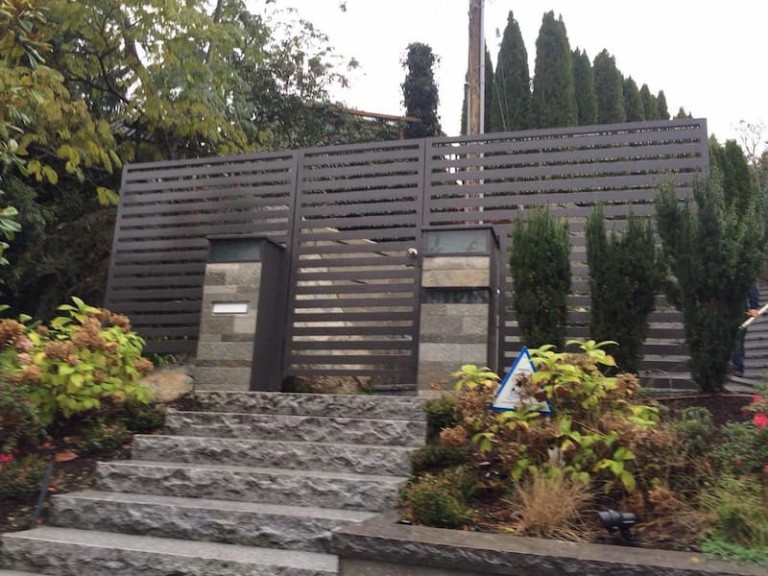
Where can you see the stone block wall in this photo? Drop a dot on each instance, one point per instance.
(452, 334)
(226, 341)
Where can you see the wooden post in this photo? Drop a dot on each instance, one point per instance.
(476, 61)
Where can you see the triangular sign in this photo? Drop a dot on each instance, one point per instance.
(509, 396)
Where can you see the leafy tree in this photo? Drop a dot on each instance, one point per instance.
(682, 114)
(584, 87)
(650, 106)
(661, 106)
(609, 89)
(553, 103)
(624, 277)
(633, 103)
(540, 264)
(714, 247)
(511, 107)
(420, 94)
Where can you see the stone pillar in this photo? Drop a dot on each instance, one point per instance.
(459, 302)
(242, 316)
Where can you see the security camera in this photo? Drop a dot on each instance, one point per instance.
(412, 253)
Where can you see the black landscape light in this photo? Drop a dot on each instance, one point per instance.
(613, 520)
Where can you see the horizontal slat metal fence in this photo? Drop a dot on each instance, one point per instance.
(494, 180)
(354, 293)
(349, 214)
(167, 209)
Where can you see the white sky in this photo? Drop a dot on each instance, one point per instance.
(706, 56)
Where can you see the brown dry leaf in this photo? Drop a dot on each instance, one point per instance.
(65, 456)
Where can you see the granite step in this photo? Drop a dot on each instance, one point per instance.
(338, 490)
(16, 573)
(252, 524)
(355, 458)
(328, 405)
(296, 428)
(69, 552)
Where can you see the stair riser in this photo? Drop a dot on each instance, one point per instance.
(65, 559)
(393, 461)
(377, 407)
(249, 486)
(200, 524)
(297, 429)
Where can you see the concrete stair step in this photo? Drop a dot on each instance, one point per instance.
(355, 458)
(297, 428)
(328, 405)
(68, 552)
(251, 484)
(16, 573)
(251, 524)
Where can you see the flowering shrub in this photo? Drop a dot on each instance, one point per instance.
(82, 359)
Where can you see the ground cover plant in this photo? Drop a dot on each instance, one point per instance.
(692, 484)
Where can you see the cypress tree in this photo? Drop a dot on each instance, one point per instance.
(511, 108)
(609, 89)
(624, 277)
(682, 114)
(420, 95)
(540, 264)
(714, 249)
(661, 106)
(584, 86)
(554, 97)
(650, 106)
(488, 97)
(633, 104)
(734, 170)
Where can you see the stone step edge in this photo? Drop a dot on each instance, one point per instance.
(128, 464)
(268, 441)
(221, 505)
(177, 548)
(265, 415)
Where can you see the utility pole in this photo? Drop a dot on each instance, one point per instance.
(476, 74)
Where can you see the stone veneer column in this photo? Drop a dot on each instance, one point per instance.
(452, 331)
(226, 341)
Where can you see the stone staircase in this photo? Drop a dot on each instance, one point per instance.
(253, 485)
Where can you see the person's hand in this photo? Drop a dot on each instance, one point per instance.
(752, 312)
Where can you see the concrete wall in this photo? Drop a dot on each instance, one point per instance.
(226, 341)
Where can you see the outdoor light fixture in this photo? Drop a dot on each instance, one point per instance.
(613, 520)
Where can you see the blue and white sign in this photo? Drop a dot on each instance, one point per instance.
(510, 395)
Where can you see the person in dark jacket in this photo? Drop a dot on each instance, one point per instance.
(753, 303)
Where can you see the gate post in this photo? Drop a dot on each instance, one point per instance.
(242, 318)
(459, 301)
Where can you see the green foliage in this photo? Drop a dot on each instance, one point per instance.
(650, 106)
(84, 358)
(103, 438)
(141, 418)
(21, 477)
(584, 88)
(420, 94)
(553, 103)
(435, 457)
(511, 108)
(742, 449)
(714, 250)
(439, 414)
(661, 106)
(740, 505)
(20, 426)
(540, 264)
(624, 277)
(715, 545)
(694, 427)
(609, 89)
(438, 500)
(633, 103)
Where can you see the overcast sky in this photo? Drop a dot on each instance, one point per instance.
(706, 56)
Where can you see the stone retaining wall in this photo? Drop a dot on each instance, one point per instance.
(381, 547)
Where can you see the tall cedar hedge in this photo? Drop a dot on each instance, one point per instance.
(540, 263)
(624, 277)
(714, 246)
